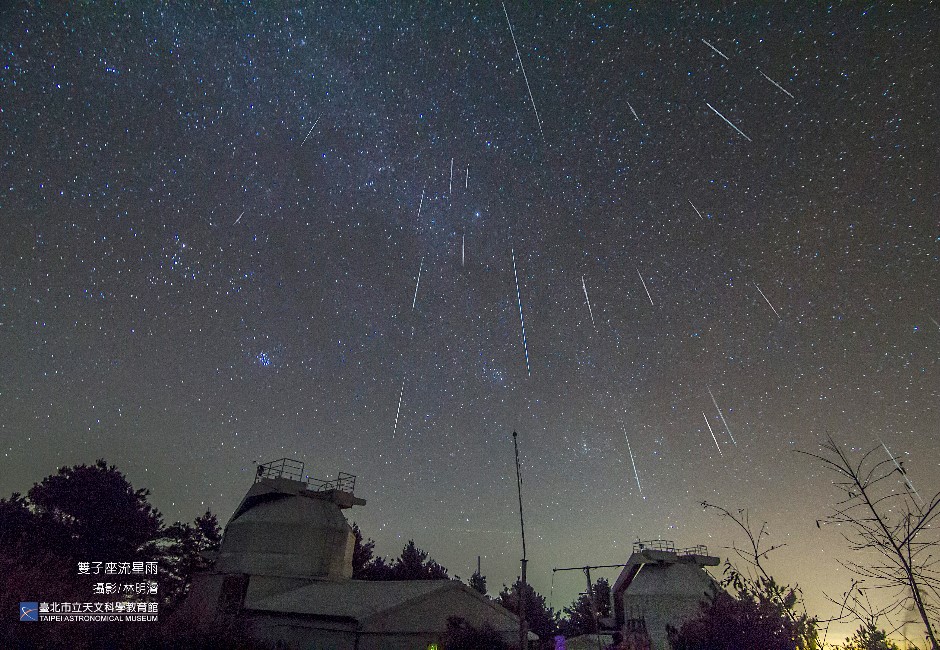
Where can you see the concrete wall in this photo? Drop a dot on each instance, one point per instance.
(666, 595)
(289, 536)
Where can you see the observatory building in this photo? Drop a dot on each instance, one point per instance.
(661, 586)
(284, 571)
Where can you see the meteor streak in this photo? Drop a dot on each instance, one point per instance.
(711, 432)
(635, 473)
(525, 345)
(310, 131)
(716, 49)
(398, 412)
(728, 121)
(721, 415)
(696, 210)
(524, 75)
(421, 204)
(590, 311)
(767, 301)
(644, 286)
(633, 111)
(417, 284)
(776, 84)
(901, 470)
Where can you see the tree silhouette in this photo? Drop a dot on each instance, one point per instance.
(869, 637)
(580, 617)
(478, 582)
(746, 622)
(91, 512)
(884, 513)
(185, 549)
(460, 635)
(362, 553)
(414, 564)
(541, 619)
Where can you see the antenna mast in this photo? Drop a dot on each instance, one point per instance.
(523, 587)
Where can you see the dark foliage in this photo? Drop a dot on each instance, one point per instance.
(579, 617)
(185, 549)
(460, 635)
(93, 513)
(746, 622)
(89, 513)
(412, 564)
(363, 552)
(869, 637)
(541, 619)
(478, 582)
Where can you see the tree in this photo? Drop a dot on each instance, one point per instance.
(94, 513)
(186, 548)
(478, 582)
(362, 553)
(460, 635)
(869, 637)
(745, 622)
(755, 593)
(581, 617)
(542, 620)
(414, 564)
(88, 513)
(884, 513)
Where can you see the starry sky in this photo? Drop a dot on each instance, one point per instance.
(252, 230)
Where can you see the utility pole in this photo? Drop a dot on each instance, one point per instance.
(590, 592)
(523, 586)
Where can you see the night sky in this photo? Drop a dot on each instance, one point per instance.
(214, 221)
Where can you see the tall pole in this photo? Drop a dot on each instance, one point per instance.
(523, 624)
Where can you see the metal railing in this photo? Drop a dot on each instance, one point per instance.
(668, 546)
(293, 470)
(701, 549)
(281, 468)
(654, 545)
(342, 483)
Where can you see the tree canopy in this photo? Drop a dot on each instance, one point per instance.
(869, 637)
(579, 616)
(413, 563)
(742, 622)
(89, 513)
(541, 619)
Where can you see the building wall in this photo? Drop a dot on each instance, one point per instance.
(289, 536)
(666, 595)
(660, 611)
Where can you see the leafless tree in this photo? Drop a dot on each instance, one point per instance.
(881, 512)
(753, 577)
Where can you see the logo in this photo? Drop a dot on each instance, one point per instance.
(29, 611)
